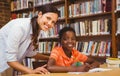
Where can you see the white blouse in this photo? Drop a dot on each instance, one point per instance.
(15, 37)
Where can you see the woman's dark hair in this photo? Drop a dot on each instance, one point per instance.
(48, 8)
(65, 29)
(35, 27)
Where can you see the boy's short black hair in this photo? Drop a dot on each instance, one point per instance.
(65, 29)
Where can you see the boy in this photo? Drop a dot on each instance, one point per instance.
(66, 58)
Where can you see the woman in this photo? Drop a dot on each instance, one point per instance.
(19, 38)
(66, 58)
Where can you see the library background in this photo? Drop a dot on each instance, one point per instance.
(96, 22)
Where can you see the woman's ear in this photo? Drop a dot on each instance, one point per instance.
(40, 14)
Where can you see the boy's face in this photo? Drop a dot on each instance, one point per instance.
(68, 40)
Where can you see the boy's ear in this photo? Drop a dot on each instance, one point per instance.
(40, 14)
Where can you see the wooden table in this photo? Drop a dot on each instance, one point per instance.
(115, 72)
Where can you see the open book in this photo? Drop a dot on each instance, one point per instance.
(92, 70)
(99, 69)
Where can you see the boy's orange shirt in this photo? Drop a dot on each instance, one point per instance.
(58, 54)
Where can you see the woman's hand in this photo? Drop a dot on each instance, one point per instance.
(41, 70)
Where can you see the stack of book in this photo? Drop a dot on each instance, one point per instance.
(113, 62)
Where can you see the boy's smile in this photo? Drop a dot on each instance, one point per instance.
(68, 40)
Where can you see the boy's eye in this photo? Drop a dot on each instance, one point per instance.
(64, 39)
(73, 38)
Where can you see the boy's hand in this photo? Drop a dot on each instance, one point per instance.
(94, 65)
(83, 68)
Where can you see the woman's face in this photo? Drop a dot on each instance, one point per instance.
(68, 40)
(47, 20)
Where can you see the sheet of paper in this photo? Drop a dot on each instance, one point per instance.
(99, 69)
(91, 70)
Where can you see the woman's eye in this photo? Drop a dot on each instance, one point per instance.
(53, 22)
(48, 18)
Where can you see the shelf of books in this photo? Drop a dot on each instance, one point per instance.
(28, 8)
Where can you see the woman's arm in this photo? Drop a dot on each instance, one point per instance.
(39, 56)
(16, 65)
(23, 69)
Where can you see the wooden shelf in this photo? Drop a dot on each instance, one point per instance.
(78, 1)
(61, 20)
(49, 39)
(56, 3)
(101, 59)
(22, 10)
(91, 16)
(82, 38)
(36, 7)
(94, 38)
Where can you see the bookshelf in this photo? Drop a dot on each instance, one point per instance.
(110, 15)
(102, 14)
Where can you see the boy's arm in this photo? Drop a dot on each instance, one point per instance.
(52, 67)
